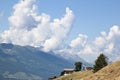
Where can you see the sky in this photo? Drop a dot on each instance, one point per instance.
(83, 28)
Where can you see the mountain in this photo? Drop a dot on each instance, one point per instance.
(73, 58)
(110, 72)
(28, 63)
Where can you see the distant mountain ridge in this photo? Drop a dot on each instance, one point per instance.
(28, 63)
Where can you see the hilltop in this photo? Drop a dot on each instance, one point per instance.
(110, 72)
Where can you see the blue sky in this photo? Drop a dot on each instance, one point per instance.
(91, 17)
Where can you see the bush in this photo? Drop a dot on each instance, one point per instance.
(62, 73)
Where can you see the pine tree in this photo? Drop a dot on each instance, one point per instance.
(100, 62)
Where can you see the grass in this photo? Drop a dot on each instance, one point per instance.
(110, 72)
(75, 75)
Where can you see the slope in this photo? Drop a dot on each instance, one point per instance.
(110, 72)
(75, 75)
(25, 62)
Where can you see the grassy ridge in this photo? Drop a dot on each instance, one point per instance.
(75, 75)
(110, 72)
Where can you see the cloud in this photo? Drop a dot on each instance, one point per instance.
(1, 14)
(113, 43)
(107, 43)
(71, 51)
(27, 27)
(59, 30)
(23, 16)
(80, 41)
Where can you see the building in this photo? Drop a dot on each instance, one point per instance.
(86, 68)
(68, 71)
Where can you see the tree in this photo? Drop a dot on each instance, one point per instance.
(78, 66)
(62, 73)
(100, 62)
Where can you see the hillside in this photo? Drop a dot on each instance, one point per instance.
(75, 75)
(110, 72)
(28, 63)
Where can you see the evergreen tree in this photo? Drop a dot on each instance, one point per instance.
(78, 66)
(100, 62)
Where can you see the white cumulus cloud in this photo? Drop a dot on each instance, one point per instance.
(80, 41)
(107, 43)
(27, 27)
(23, 16)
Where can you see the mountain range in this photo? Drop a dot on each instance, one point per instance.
(29, 63)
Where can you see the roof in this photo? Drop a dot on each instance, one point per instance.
(69, 69)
